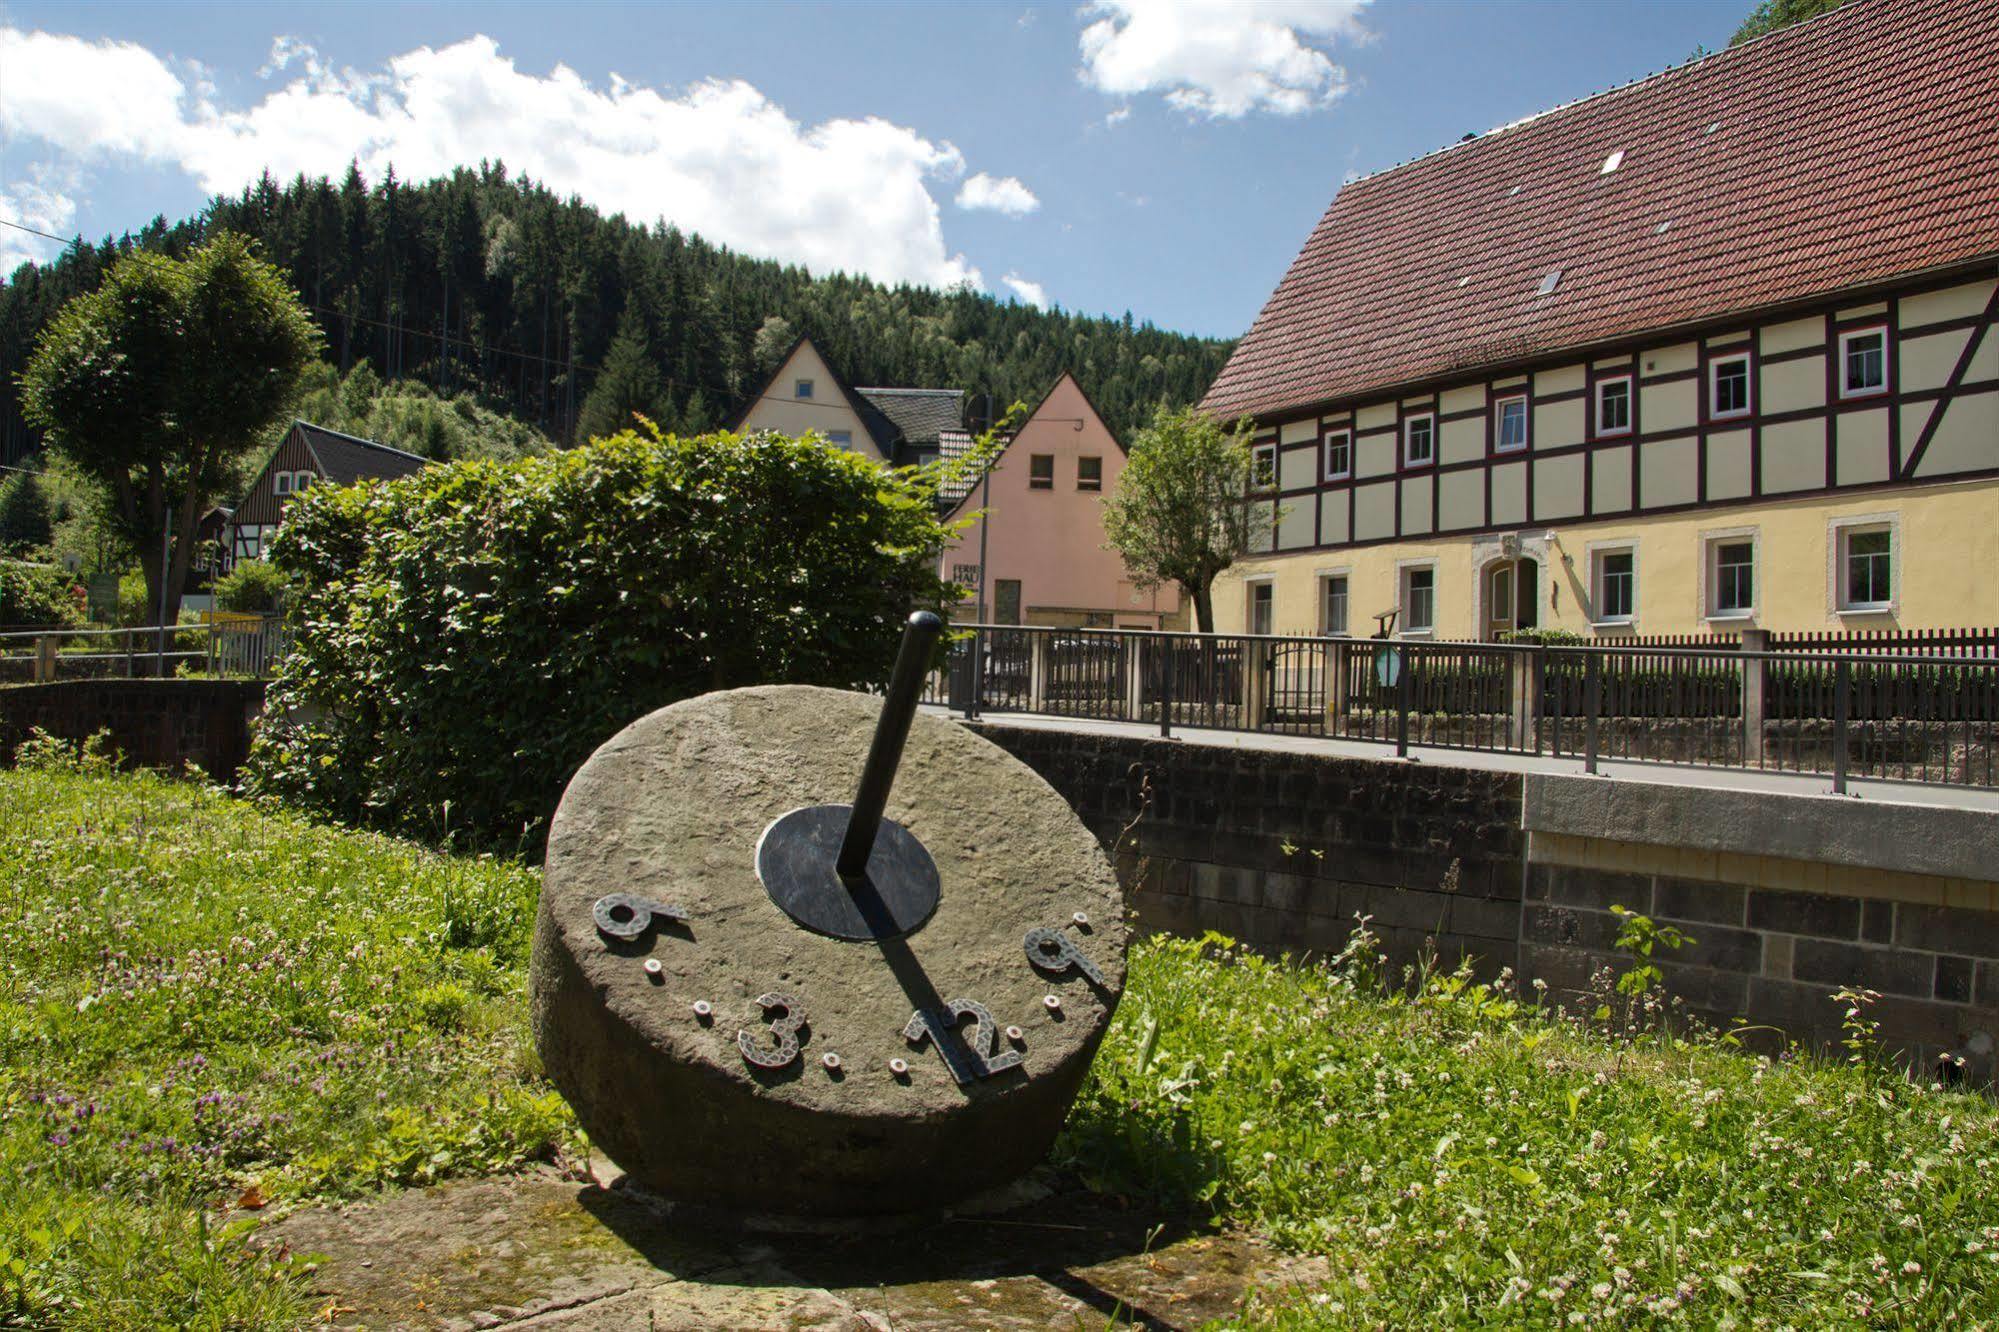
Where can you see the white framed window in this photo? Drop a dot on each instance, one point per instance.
(1865, 552)
(1260, 603)
(281, 482)
(1333, 605)
(1614, 585)
(1863, 362)
(802, 390)
(1339, 455)
(1613, 405)
(1509, 424)
(1730, 567)
(1263, 467)
(1418, 598)
(1728, 387)
(1419, 440)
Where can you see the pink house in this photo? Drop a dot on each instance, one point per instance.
(1043, 528)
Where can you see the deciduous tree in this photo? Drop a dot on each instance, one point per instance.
(159, 380)
(1185, 510)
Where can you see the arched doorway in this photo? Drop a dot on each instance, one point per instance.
(1512, 595)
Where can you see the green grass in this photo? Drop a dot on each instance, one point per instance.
(1466, 1159)
(198, 998)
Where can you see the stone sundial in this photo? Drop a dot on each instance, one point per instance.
(802, 951)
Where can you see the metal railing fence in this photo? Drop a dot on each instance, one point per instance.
(1878, 713)
(219, 645)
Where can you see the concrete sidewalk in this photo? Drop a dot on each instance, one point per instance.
(1930, 794)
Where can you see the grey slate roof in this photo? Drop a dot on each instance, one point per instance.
(922, 415)
(345, 459)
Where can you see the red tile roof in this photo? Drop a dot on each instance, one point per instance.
(1852, 149)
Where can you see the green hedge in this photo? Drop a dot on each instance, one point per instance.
(465, 637)
(37, 596)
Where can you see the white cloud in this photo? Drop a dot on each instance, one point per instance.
(1117, 117)
(1033, 293)
(718, 157)
(44, 202)
(1220, 58)
(1003, 194)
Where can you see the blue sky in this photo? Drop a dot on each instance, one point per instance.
(1166, 158)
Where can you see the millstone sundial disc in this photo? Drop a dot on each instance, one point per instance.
(725, 1054)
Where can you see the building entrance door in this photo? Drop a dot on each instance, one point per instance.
(1512, 595)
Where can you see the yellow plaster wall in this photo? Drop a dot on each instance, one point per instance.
(1943, 532)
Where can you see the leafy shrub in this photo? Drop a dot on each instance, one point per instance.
(135, 606)
(470, 633)
(42, 752)
(1549, 637)
(444, 1006)
(36, 596)
(253, 585)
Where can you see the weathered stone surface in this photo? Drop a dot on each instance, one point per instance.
(545, 1252)
(671, 809)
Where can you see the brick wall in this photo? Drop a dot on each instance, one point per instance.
(153, 723)
(1427, 851)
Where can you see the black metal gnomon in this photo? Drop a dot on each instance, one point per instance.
(845, 870)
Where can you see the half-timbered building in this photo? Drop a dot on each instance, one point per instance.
(308, 455)
(1713, 350)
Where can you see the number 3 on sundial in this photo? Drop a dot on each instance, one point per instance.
(978, 1058)
(783, 1029)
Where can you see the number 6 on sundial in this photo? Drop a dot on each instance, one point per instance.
(977, 1058)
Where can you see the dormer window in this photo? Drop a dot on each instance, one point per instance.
(802, 390)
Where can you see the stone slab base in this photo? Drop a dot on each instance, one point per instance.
(542, 1251)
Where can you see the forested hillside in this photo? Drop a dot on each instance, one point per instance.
(486, 284)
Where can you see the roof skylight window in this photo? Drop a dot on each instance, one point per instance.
(1611, 163)
(1549, 283)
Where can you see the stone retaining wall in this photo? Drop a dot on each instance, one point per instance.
(153, 723)
(1788, 897)
(1429, 852)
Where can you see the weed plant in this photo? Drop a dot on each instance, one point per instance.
(207, 1011)
(1466, 1156)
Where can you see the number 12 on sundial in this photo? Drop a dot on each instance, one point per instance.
(980, 1057)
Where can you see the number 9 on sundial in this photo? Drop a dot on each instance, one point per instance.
(854, 959)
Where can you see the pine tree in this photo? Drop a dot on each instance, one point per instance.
(25, 520)
(628, 383)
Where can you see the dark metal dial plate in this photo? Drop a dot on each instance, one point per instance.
(795, 861)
